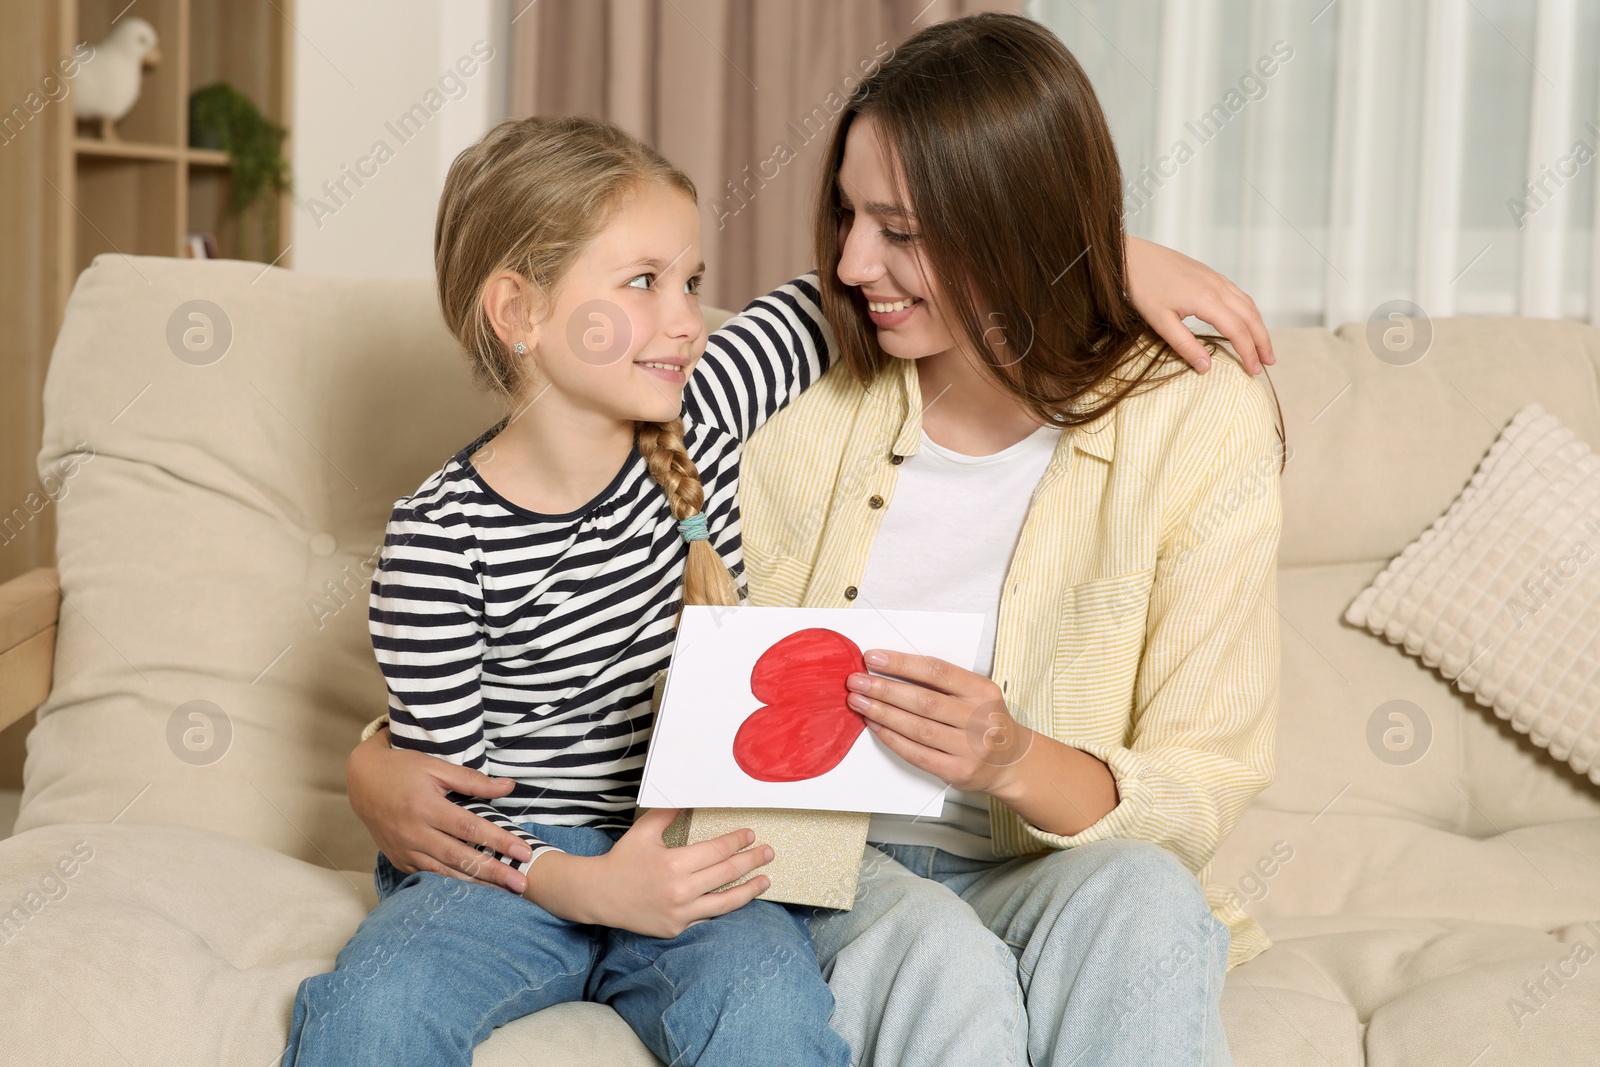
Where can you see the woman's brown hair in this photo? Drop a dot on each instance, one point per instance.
(528, 198)
(1017, 195)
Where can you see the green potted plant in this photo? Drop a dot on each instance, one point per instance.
(220, 116)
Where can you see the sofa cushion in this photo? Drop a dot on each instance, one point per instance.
(212, 664)
(1378, 451)
(1465, 770)
(1499, 595)
(1337, 991)
(174, 944)
(1408, 899)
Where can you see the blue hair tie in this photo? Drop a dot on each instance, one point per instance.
(694, 527)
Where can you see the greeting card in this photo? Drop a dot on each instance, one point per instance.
(752, 729)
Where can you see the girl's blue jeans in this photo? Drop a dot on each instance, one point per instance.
(1103, 955)
(441, 962)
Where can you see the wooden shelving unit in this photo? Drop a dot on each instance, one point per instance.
(199, 157)
(67, 196)
(145, 192)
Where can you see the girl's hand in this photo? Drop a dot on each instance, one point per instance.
(944, 719)
(1166, 285)
(400, 795)
(643, 886)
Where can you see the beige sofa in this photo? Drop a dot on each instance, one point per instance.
(179, 867)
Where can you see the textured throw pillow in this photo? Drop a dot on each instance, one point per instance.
(1502, 593)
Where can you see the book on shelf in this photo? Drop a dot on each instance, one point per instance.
(200, 246)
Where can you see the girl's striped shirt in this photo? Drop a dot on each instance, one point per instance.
(526, 645)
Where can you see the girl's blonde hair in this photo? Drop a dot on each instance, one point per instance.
(529, 197)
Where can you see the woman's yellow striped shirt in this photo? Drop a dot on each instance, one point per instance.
(1137, 622)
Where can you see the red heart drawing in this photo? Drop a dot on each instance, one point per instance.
(806, 727)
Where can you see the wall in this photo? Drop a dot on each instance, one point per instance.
(385, 96)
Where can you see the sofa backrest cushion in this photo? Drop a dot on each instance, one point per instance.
(222, 484)
(239, 458)
(1378, 450)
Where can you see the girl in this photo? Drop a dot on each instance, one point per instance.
(526, 597)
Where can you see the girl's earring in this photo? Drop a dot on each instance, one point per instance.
(520, 349)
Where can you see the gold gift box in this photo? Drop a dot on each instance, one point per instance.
(817, 854)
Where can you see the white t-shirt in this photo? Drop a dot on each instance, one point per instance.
(945, 545)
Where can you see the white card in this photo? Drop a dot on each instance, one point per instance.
(698, 757)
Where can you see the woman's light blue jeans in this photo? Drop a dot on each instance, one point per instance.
(1104, 955)
(440, 962)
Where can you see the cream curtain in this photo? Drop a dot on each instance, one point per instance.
(739, 94)
(1332, 158)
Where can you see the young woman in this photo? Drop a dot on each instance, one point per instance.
(1003, 434)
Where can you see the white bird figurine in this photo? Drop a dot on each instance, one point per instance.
(108, 83)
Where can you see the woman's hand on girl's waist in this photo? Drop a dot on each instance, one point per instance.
(401, 797)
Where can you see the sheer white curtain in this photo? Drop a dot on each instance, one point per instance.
(1333, 156)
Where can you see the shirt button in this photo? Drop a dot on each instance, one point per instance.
(875, 502)
(897, 460)
(850, 592)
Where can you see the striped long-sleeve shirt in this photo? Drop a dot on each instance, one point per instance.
(526, 645)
